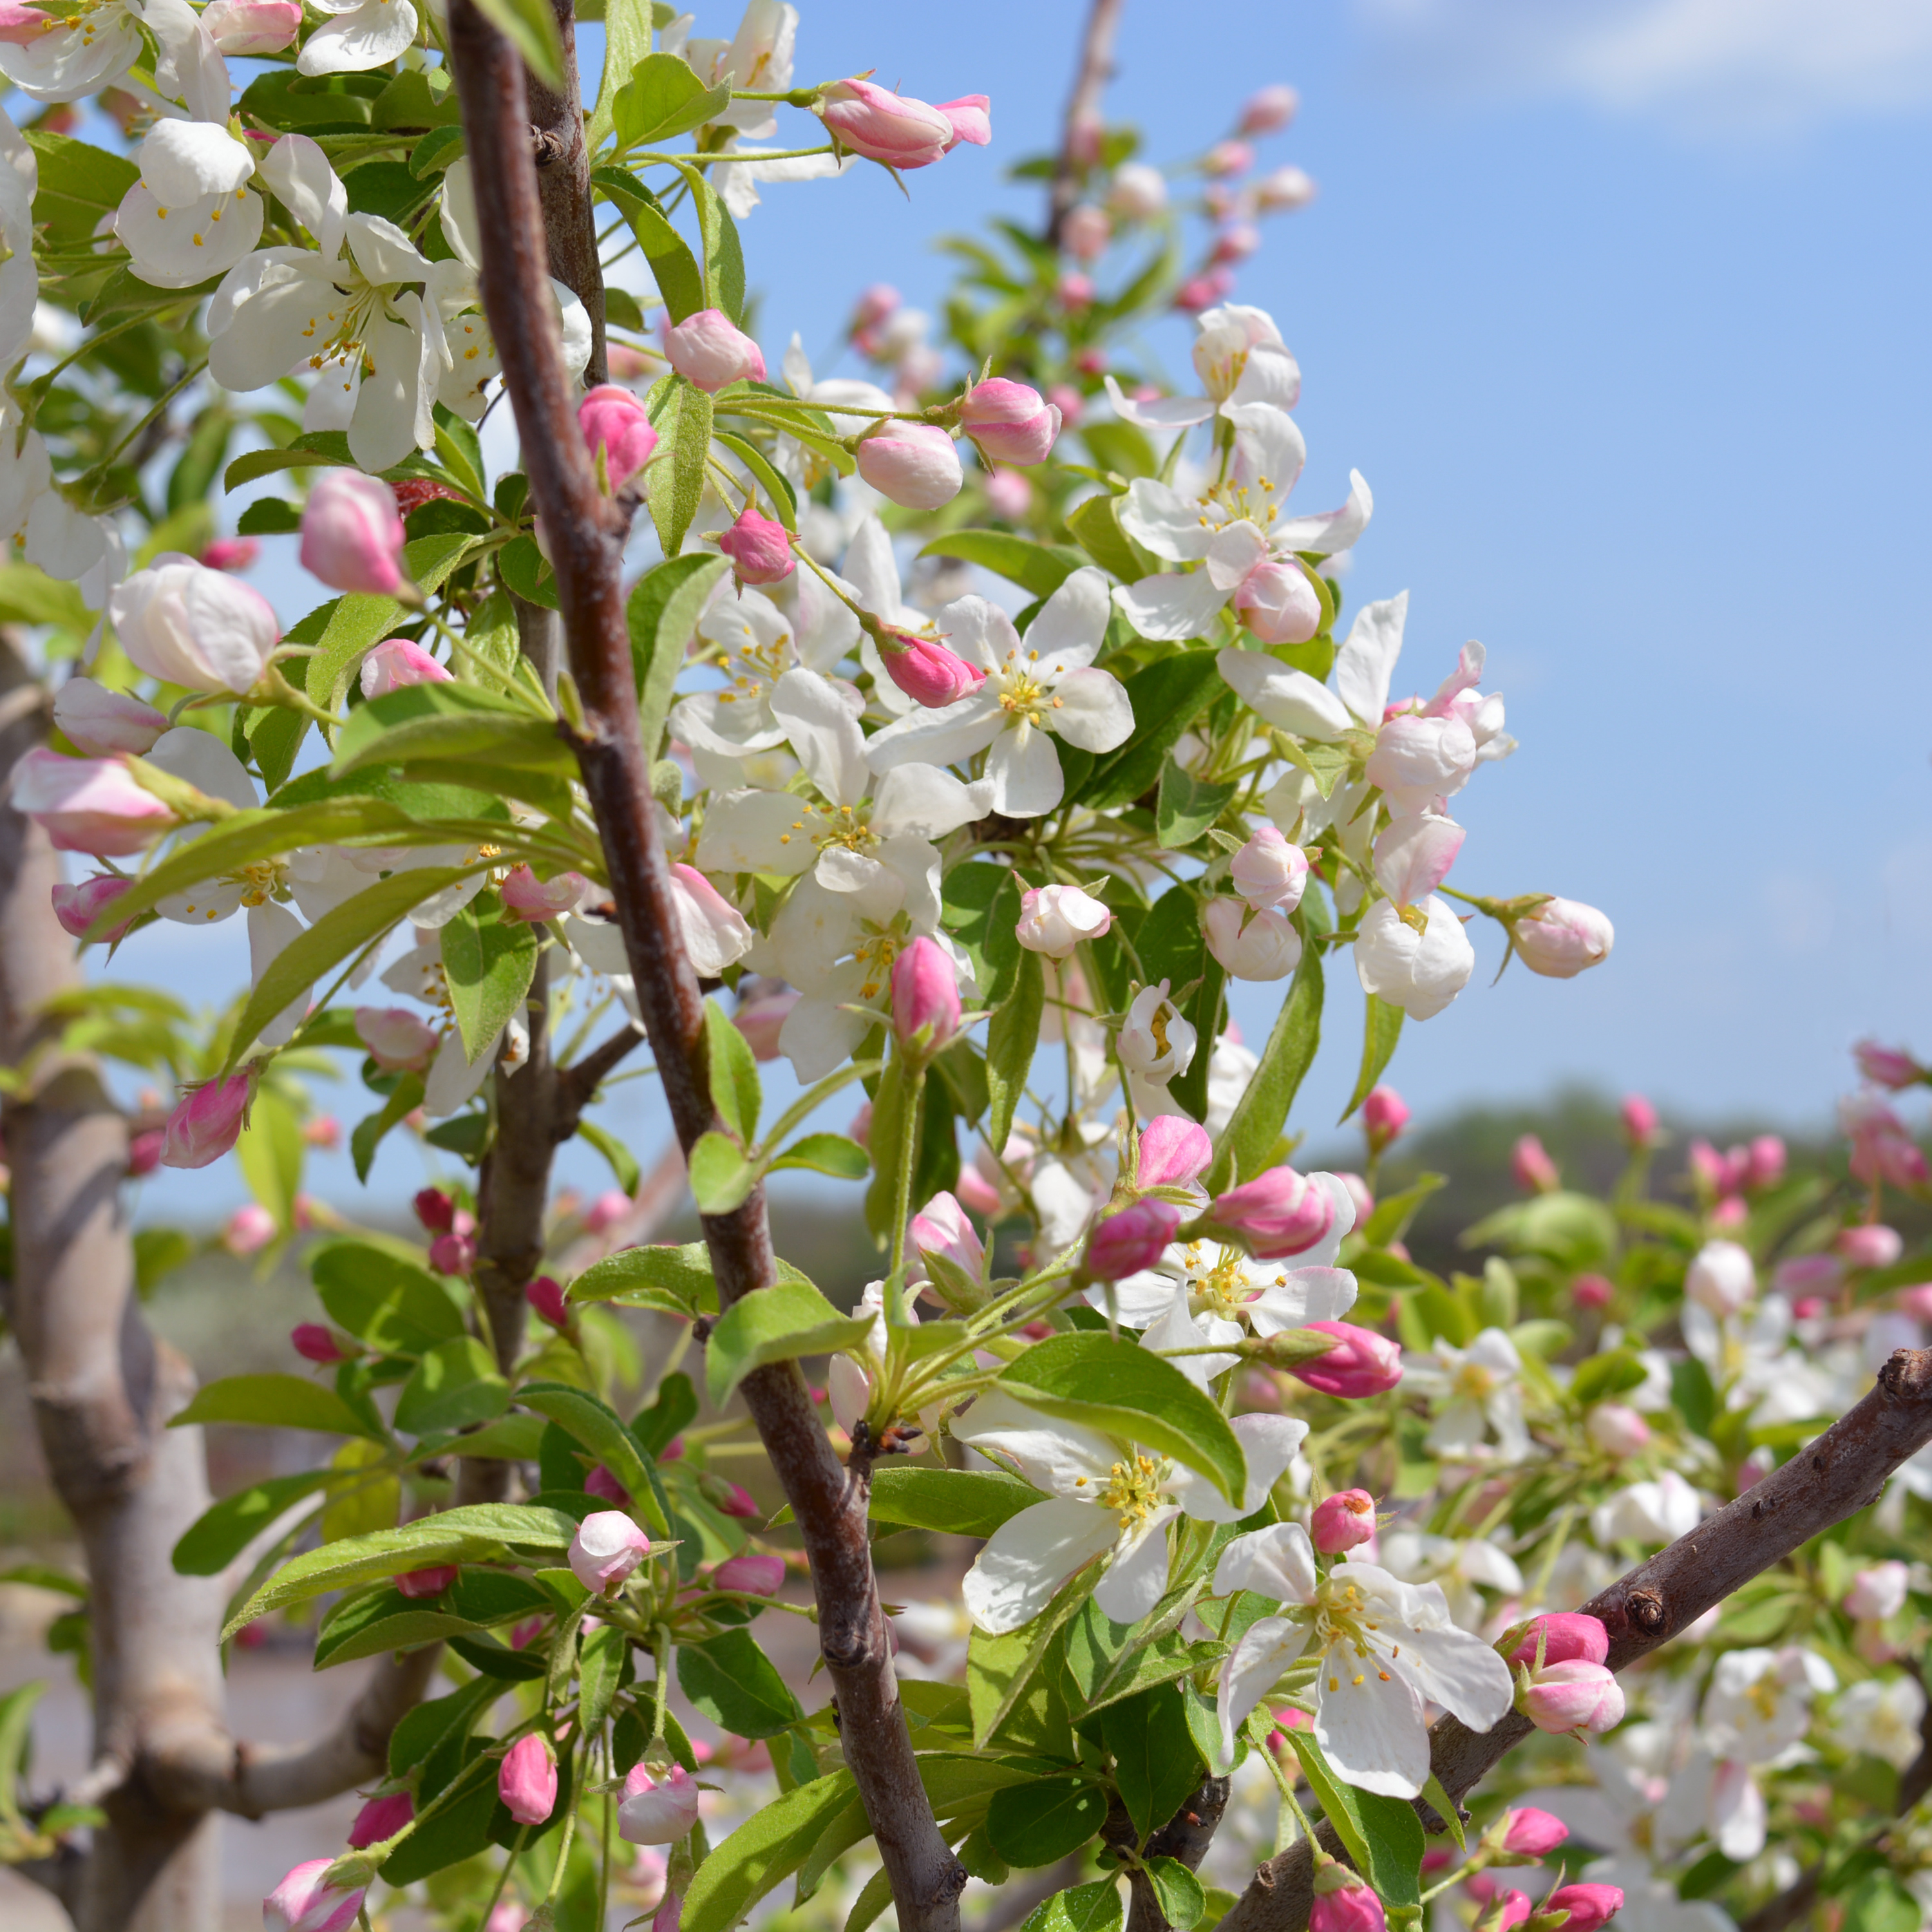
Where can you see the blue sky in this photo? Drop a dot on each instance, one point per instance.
(1621, 309)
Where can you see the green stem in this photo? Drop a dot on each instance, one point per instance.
(915, 1100)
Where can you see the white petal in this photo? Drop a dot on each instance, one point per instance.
(1459, 1671)
(1266, 1649)
(299, 172)
(1133, 1583)
(453, 1077)
(1369, 1724)
(1071, 624)
(270, 927)
(1025, 771)
(1177, 1329)
(1366, 662)
(1289, 700)
(823, 733)
(926, 801)
(754, 832)
(1164, 412)
(1337, 529)
(1237, 548)
(947, 736)
(818, 1036)
(1271, 375)
(1277, 1562)
(1027, 1558)
(978, 630)
(372, 35)
(1159, 518)
(1171, 606)
(1299, 1296)
(1059, 1457)
(1093, 710)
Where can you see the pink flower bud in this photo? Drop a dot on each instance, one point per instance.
(1086, 232)
(925, 997)
(1268, 871)
(527, 897)
(916, 464)
(189, 625)
(87, 805)
(301, 1903)
(734, 1499)
(1639, 1119)
(1384, 1115)
(1916, 1301)
(610, 1207)
(714, 931)
(243, 28)
(1342, 1521)
(1361, 1363)
(351, 534)
(1764, 1163)
(232, 554)
(527, 1781)
(709, 350)
(969, 120)
(657, 1811)
(1617, 1428)
(1009, 495)
(1879, 1592)
(1887, 1066)
(1133, 1239)
(207, 1122)
(1576, 1696)
(397, 1040)
(1076, 291)
(545, 1296)
(1227, 157)
(601, 1483)
(1138, 193)
(894, 129)
(435, 1210)
(145, 1150)
(1279, 603)
(1568, 1636)
(248, 1230)
(1588, 1906)
(756, 1576)
(759, 549)
(1284, 190)
(1871, 1245)
(929, 673)
(1562, 937)
(78, 906)
(430, 1582)
(1277, 1213)
(874, 304)
(761, 1017)
(669, 1914)
(1531, 1833)
(1269, 109)
(1592, 1291)
(1510, 1912)
(616, 421)
(103, 722)
(1721, 1277)
(1053, 919)
(1008, 422)
(1173, 1152)
(1535, 1172)
(941, 1228)
(607, 1548)
(395, 664)
(453, 1254)
(1351, 1907)
(315, 1343)
(381, 1818)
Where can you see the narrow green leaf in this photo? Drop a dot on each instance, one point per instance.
(721, 1176)
(488, 961)
(272, 1402)
(383, 1297)
(674, 482)
(662, 99)
(1380, 1030)
(269, 1153)
(1038, 568)
(405, 1097)
(1096, 527)
(1155, 1763)
(762, 1852)
(1122, 1390)
(826, 1153)
(1001, 1669)
(673, 265)
(627, 41)
(1167, 696)
(597, 1427)
(623, 1163)
(730, 1680)
(777, 488)
(457, 1382)
(735, 1091)
(680, 1278)
(1187, 805)
(423, 723)
(1383, 1835)
(778, 1324)
(723, 254)
(530, 27)
(220, 1533)
(1011, 1035)
(964, 1502)
(662, 616)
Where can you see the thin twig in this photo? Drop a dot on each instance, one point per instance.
(1080, 144)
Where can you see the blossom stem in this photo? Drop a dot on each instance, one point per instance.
(706, 160)
(914, 1106)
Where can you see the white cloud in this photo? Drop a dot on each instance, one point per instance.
(1760, 67)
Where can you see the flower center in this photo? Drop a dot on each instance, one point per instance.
(758, 667)
(1224, 1288)
(1132, 1491)
(1475, 1383)
(1764, 1694)
(876, 952)
(846, 825)
(348, 325)
(1343, 1629)
(1022, 696)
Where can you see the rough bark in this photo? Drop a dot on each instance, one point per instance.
(563, 185)
(1186, 1836)
(1080, 143)
(588, 531)
(1843, 1472)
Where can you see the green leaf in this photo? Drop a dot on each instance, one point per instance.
(369, 1133)
(981, 908)
(627, 41)
(457, 1382)
(78, 183)
(675, 268)
(488, 960)
(437, 151)
(1107, 1383)
(662, 615)
(677, 1278)
(663, 99)
(423, 723)
(393, 1304)
(1001, 1669)
(481, 1532)
(392, 191)
(674, 482)
(735, 1092)
(1447, 1809)
(220, 1534)
(530, 27)
(596, 1426)
(1182, 1896)
(598, 1665)
(1011, 1034)
(1187, 805)
(1108, 1661)
(314, 449)
(778, 1324)
(721, 1176)
(886, 1140)
(1382, 1030)
(763, 1852)
(723, 254)
(623, 1163)
(382, 1621)
(272, 1402)
(1080, 1908)
(1038, 568)
(730, 1680)
(268, 517)
(348, 928)
(1167, 695)
(1599, 1377)
(526, 571)
(1248, 1139)
(826, 1153)
(1155, 1763)
(269, 1151)
(1096, 526)
(1041, 1822)
(962, 1502)
(1383, 1835)
(432, 1726)
(777, 488)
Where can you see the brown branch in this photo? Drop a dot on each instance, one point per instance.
(1843, 1472)
(1186, 1836)
(563, 185)
(588, 531)
(578, 1083)
(1080, 145)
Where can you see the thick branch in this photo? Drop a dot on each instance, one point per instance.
(1080, 145)
(588, 532)
(563, 185)
(1843, 1472)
